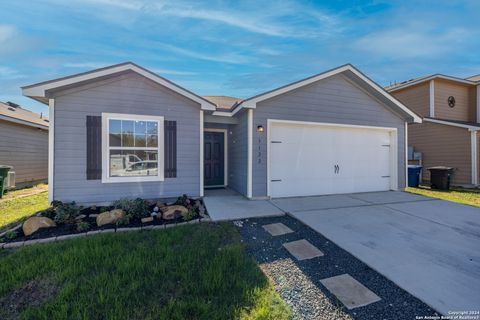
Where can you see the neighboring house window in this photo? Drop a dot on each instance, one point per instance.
(132, 148)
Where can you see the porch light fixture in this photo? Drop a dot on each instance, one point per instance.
(259, 128)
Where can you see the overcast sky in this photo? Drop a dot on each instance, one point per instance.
(236, 48)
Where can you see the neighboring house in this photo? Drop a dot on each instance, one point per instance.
(123, 131)
(449, 134)
(24, 143)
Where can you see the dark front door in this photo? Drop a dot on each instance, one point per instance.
(214, 144)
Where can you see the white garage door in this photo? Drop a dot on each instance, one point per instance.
(315, 159)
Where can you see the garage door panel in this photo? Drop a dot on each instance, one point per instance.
(315, 159)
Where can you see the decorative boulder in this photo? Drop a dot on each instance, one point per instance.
(110, 217)
(147, 219)
(34, 223)
(171, 212)
(160, 204)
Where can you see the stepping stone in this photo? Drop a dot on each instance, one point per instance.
(349, 291)
(277, 229)
(302, 249)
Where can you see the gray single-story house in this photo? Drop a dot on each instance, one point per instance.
(124, 131)
(23, 145)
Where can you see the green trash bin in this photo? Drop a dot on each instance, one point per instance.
(3, 178)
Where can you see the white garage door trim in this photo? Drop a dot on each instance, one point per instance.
(393, 143)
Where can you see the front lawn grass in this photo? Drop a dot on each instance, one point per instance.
(189, 272)
(16, 209)
(459, 195)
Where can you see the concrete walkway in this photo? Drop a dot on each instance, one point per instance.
(226, 204)
(426, 246)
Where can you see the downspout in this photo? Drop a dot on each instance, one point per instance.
(432, 99)
(474, 156)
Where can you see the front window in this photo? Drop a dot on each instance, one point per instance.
(133, 148)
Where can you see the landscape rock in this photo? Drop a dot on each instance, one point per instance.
(147, 219)
(110, 217)
(34, 223)
(80, 217)
(171, 212)
(160, 204)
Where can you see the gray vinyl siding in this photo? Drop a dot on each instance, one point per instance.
(238, 154)
(332, 100)
(128, 94)
(26, 150)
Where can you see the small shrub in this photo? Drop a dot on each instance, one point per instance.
(49, 213)
(124, 221)
(104, 209)
(10, 234)
(183, 201)
(66, 212)
(82, 226)
(190, 214)
(137, 208)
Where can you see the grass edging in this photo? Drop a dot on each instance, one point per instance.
(18, 244)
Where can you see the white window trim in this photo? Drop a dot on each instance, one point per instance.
(105, 148)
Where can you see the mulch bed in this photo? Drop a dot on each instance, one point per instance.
(298, 282)
(66, 229)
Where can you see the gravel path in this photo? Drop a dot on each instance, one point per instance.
(298, 282)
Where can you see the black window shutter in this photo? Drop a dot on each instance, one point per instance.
(94, 147)
(170, 149)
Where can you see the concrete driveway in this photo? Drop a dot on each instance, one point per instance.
(430, 248)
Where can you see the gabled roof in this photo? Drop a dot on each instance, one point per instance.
(412, 82)
(39, 91)
(474, 78)
(349, 71)
(472, 126)
(12, 112)
(224, 103)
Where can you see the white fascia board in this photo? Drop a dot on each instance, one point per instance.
(24, 122)
(416, 118)
(222, 113)
(428, 78)
(453, 124)
(253, 102)
(40, 89)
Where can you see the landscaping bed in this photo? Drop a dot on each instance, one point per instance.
(69, 219)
